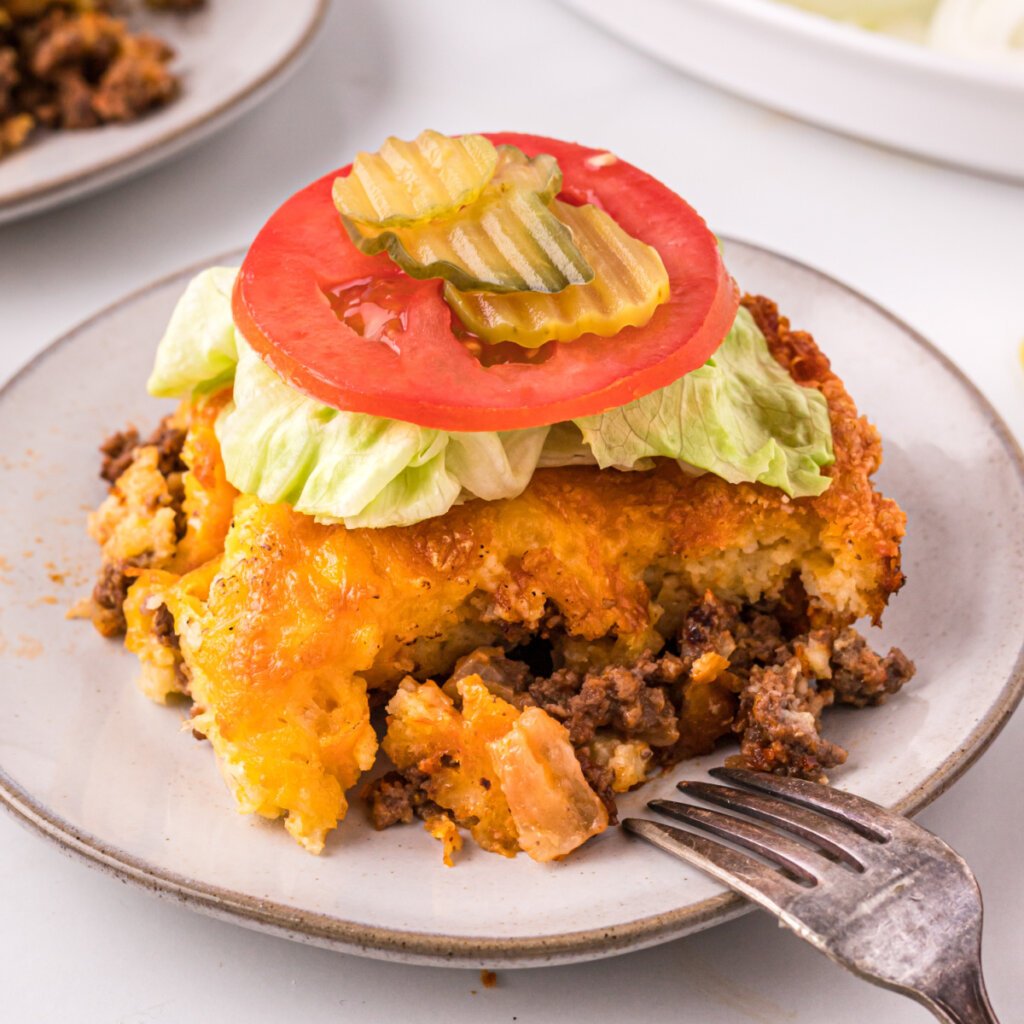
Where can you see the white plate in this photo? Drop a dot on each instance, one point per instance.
(91, 764)
(902, 95)
(230, 56)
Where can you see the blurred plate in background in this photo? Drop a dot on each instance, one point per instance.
(230, 56)
(896, 93)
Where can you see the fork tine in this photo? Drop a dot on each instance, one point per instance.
(737, 870)
(867, 818)
(787, 853)
(835, 838)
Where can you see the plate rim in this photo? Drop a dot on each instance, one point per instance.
(881, 46)
(35, 198)
(460, 951)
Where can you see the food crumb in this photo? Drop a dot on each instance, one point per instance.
(601, 160)
(488, 979)
(81, 609)
(28, 647)
(443, 828)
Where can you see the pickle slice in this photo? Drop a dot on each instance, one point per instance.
(540, 174)
(406, 182)
(506, 241)
(629, 283)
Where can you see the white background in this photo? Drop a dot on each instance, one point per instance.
(940, 248)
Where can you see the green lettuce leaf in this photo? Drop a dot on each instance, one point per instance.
(740, 416)
(354, 468)
(197, 352)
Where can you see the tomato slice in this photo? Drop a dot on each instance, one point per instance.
(417, 366)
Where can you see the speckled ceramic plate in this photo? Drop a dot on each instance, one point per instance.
(230, 56)
(113, 779)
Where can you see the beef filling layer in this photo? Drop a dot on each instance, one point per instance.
(756, 672)
(753, 671)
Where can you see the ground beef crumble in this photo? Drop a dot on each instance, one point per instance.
(861, 677)
(164, 631)
(163, 628)
(119, 450)
(180, 6)
(109, 596)
(118, 453)
(396, 798)
(778, 718)
(756, 672)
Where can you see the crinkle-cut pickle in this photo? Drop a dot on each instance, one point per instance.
(507, 241)
(406, 182)
(629, 283)
(540, 174)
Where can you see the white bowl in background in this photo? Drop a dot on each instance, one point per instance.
(902, 95)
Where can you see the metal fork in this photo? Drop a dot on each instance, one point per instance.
(875, 892)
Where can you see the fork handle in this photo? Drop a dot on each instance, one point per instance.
(963, 1000)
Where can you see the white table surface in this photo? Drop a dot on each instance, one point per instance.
(940, 248)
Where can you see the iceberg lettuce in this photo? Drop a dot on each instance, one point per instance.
(197, 352)
(355, 468)
(739, 416)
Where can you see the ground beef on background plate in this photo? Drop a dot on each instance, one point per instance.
(72, 64)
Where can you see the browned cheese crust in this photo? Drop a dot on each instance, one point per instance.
(851, 503)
